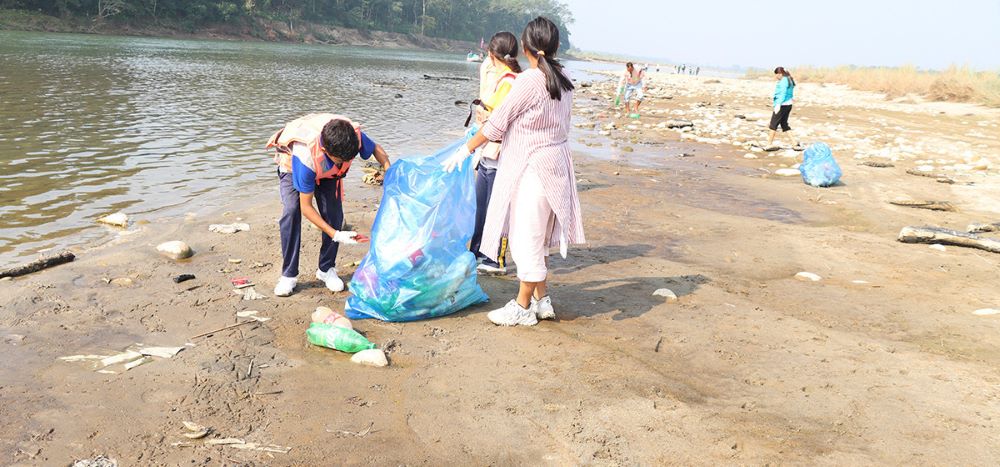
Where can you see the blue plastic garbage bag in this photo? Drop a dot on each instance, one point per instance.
(818, 167)
(419, 264)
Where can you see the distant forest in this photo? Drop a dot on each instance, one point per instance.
(451, 19)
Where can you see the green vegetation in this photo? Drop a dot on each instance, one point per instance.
(451, 19)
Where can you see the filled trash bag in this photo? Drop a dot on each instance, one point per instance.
(818, 167)
(419, 264)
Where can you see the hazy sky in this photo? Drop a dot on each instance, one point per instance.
(926, 33)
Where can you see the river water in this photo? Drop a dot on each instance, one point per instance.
(91, 125)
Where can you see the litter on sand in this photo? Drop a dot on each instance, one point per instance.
(370, 357)
(124, 357)
(249, 293)
(228, 228)
(162, 352)
(252, 314)
(807, 276)
(135, 363)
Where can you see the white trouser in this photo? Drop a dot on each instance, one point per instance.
(531, 219)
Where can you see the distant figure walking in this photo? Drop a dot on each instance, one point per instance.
(783, 93)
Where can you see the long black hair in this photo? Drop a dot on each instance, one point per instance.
(783, 72)
(541, 39)
(503, 46)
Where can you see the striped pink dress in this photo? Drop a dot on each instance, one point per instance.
(534, 129)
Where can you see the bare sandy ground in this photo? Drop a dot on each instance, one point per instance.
(882, 361)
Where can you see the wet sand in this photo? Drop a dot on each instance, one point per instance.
(748, 366)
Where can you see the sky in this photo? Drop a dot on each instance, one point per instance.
(723, 33)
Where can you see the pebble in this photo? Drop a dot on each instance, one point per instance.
(986, 312)
(175, 250)
(121, 282)
(667, 293)
(118, 219)
(749, 155)
(807, 276)
(371, 357)
(787, 172)
(938, 247)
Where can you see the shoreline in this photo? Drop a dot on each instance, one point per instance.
(747, 365)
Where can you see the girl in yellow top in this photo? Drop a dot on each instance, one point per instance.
(503, 58)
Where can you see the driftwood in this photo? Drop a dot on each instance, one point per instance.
(932, 205)
(451, 78)
(941, 178)
(44, 262)
(979, 228)
(947, 237)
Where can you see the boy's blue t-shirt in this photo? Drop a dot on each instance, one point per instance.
(303, 172)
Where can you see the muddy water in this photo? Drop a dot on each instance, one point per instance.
(90, 125)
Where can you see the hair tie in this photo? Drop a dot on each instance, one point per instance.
(541, 53)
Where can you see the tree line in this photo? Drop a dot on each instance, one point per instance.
(452, 19)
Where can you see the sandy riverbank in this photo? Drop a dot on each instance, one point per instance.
(748, 366)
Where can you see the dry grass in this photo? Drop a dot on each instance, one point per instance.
(956, 84)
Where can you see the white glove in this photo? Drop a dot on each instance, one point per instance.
(345, 236)
(455, 159)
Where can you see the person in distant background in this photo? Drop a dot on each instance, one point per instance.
(782, 102)
(631, 82)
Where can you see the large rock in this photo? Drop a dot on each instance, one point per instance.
(175, 250)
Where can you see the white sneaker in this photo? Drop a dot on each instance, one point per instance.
(512, 314)
(331, 280)
(543, 308)
(285, 286)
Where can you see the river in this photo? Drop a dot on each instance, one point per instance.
(91, 125)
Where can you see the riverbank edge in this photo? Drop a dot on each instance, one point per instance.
(254, 29)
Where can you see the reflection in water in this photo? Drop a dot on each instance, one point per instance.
(93, 124)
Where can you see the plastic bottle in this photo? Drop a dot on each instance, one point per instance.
(338, 338)
(328, 316)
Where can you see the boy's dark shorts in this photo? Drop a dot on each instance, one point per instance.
(781, 118)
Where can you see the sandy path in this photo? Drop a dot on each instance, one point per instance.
(748, 366)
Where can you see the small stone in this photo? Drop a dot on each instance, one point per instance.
(175, 250)
(807, 276)
(749, 155)
(986, 312)
(235, 260)
(371, 357)
(667, 293)
(938, 247)
(787, 172)
(121, 282)
(118, 219)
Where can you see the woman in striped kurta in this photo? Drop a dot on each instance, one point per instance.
(534, 200)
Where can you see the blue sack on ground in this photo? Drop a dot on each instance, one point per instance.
(419, 264)
(818, 166)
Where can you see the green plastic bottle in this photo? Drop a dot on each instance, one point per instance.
(338, 338)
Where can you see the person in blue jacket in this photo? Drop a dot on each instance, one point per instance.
(783, 94)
